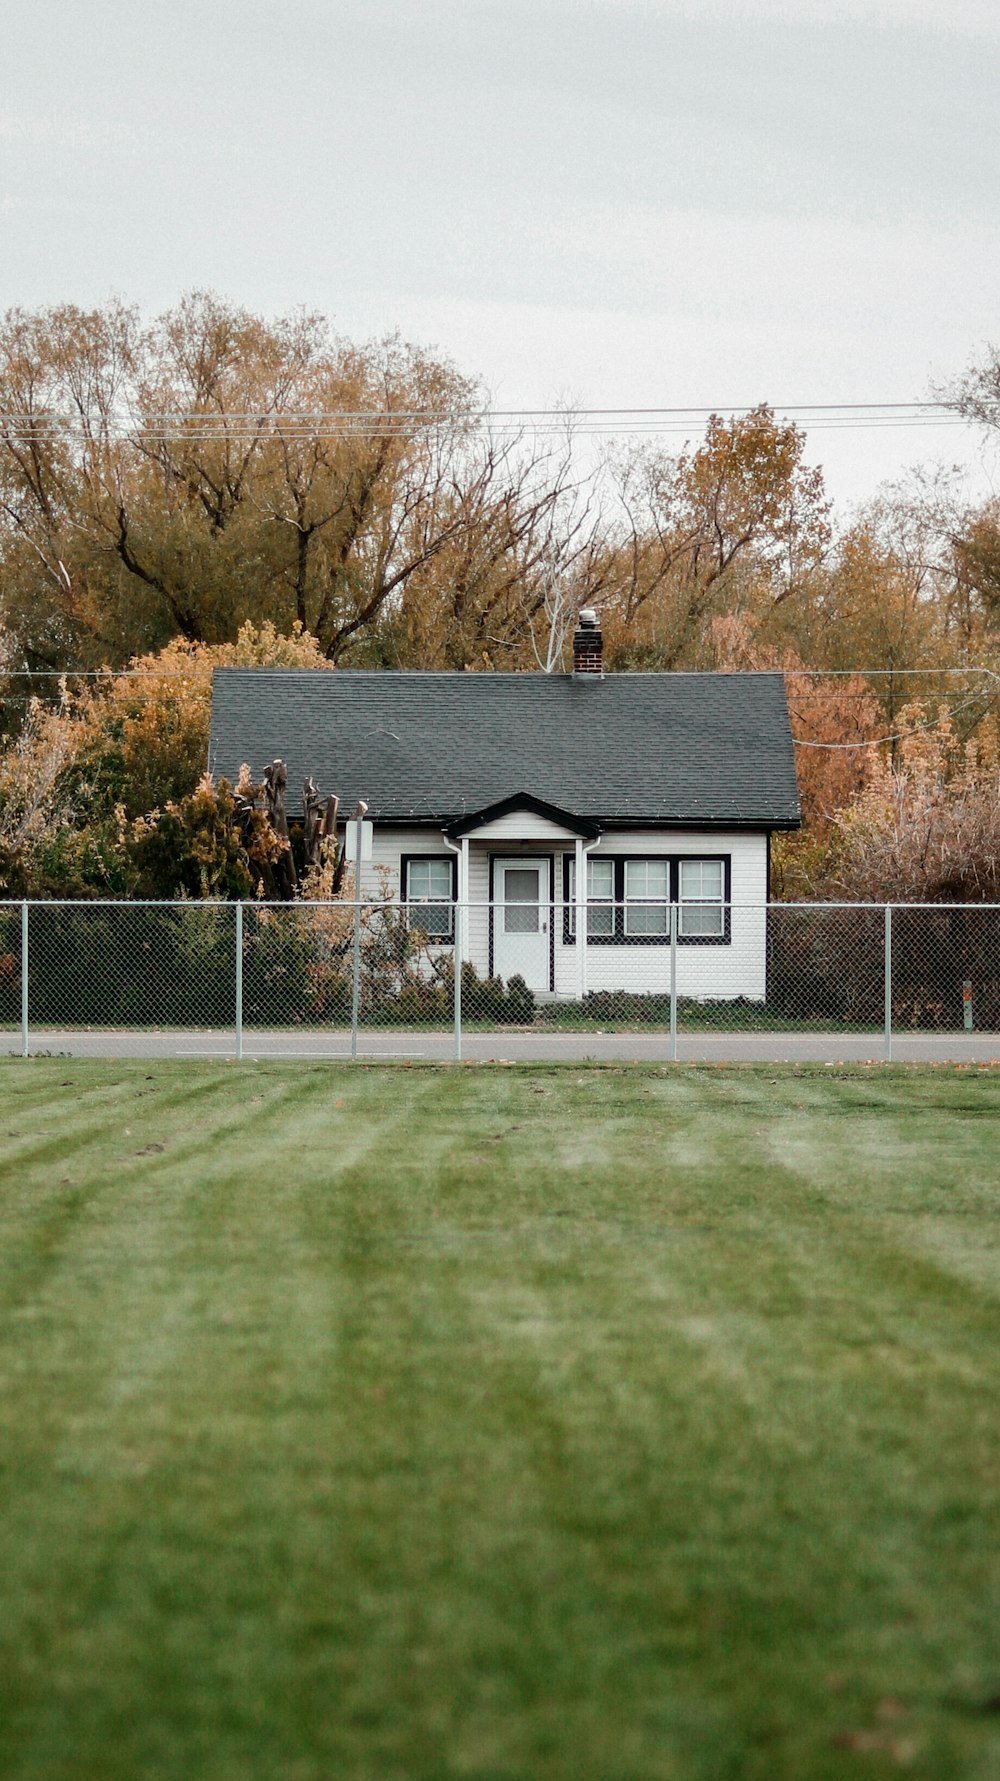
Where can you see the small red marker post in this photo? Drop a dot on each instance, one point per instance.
(967, 1005)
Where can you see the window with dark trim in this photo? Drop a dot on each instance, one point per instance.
(429, 884)
(629, 898)
(701, 900)
(600, 898)
(646, 899)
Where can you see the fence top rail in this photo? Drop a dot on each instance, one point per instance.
(347, 904)
(130, 903)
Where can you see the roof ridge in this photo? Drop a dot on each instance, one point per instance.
(534, 675)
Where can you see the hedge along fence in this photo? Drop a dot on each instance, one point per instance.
(826, 962)
(10, 962)
(130, 964)
(127, 964)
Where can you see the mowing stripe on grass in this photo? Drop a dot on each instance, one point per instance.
(532, 1423)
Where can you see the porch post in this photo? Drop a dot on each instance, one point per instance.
(463, 897)
(580, 898)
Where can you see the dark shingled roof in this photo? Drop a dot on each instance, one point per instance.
(691, 749)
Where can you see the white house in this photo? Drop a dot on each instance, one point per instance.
(518, 797)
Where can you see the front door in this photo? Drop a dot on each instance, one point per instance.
(521, 918)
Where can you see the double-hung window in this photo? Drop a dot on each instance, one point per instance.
(429, 892)
(701, 899)
(600, 899)
(647, 897)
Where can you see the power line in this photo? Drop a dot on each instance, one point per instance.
(161, 674)
(312, 414)
(195, 426)
(181, 673)
(883, 673)
(895, 736)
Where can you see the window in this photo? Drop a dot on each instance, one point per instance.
(600, 898)
(628, 900)
(647, 897)
(429, 890)
(701, 914)
(521, 890)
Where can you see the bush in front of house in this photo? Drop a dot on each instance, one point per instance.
(415, 1005)
(519, 1008)
(623, 1009)
(490, 1000)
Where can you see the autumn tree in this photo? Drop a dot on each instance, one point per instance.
(506, 589)
(867, 607)
(81, 771)
(835, 722)
(33, 800)
(178, 479)
(927, 826)
(735, 523)
(209, 843)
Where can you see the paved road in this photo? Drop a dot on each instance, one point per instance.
(513, 1046)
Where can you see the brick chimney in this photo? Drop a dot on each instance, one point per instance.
(587, 645)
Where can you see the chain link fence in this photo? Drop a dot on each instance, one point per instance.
(347, 979)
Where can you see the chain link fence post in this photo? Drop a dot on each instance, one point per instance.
(24, 979)
(356, 951)
(239, 979)
(459, 915)
(673, 983)
(888, 983)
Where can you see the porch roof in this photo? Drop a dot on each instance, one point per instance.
(523, 801)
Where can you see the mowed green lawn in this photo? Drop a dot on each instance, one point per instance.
(410, 1423)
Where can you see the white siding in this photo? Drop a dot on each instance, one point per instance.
(477, 916)
(734, 968)
(521, 825)
(388, 848)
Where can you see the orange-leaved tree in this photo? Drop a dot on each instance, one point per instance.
(926, 828)
(81, 771)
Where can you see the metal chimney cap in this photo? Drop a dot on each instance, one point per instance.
(588, 618)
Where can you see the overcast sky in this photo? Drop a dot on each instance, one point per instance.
(616, 202)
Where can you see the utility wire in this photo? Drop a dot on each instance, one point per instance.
(896, 736)
(183, 673)
(880, 673)
(197, 427)
(798, 742)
